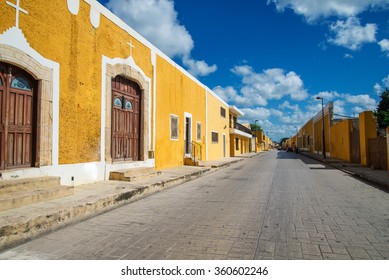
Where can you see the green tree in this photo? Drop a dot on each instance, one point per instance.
(382, 112)
(255, 127)
(283, 139)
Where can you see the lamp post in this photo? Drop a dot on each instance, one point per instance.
(297, 139)
(322, 117)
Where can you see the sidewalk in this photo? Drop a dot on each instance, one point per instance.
(24, 223)
(377, 177)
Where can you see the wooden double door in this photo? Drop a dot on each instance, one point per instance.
(18, 118)
(126, 120)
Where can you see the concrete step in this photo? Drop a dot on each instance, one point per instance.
(15, 199)
(134, 174)
(16, 185)
(191, 161)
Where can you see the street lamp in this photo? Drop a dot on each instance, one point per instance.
(297, 139)
(322, 117)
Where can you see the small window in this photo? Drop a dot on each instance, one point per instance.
(198, 134)
(21, 83)
(1, 82)
(215, 137)
(118, 102)
(222, 112)
(173, 127)
(128, 105)
(237, 144)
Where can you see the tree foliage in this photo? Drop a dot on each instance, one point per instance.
(255, 127)
(382, 112)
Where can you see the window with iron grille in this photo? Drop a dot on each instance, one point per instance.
(198, 134)
(173, 127)
(215, 137)
(222, 112)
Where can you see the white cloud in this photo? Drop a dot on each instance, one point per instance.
(349, 56)
(228, 94)
(328, 95)
(384, 44)
(198, 68)
(315, 9)
(157, 21)
(270, 84)
(351, 34)
(286, 105)
(258, 113)
(379, 88)
(363, 100)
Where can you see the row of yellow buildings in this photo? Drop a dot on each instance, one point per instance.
(352, 140)
(83, 94)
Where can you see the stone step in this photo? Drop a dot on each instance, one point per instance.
(134, 174)
(191, 161)
(16, 185)
(15, 199)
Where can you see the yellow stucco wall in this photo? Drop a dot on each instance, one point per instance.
(219, 124)
(340, 142)
(318, 134)
(367, 130)
(77, 46)
(177, 94)
(306, 141)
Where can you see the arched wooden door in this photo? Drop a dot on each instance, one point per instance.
(126, 120)
(18, 115)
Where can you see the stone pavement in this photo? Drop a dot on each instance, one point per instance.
(27, 222)
(376, 177)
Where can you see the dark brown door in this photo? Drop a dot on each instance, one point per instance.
(18, 126)
(126, 112)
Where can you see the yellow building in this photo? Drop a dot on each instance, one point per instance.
(240, 136)
(92, 96)
(306, 137)
(318, 129)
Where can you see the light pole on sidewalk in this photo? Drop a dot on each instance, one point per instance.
(322, 117)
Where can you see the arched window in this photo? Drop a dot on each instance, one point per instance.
(1, 82)
(21, 83)
(118, 102)
(128, 105)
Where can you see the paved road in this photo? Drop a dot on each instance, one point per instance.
(276, 205)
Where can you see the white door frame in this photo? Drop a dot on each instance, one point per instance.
(189, 133)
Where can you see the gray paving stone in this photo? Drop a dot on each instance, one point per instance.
(269, 207)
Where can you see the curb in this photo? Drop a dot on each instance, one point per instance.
(14, 232)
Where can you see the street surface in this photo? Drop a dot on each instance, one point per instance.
(277, 205)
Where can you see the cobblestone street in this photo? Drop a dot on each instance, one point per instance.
(277, 205)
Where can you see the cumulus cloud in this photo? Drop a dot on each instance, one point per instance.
(286, 105)
(270, 84)
(198, 68)
(363, 100)
(157, 21)
(384, 44)
(351, 34)
(315, 9)
(379, 88)
(328, 95)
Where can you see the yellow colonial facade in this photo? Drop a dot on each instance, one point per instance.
(240, 136)
(102, 97)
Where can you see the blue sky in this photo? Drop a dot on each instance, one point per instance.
(271, 58)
